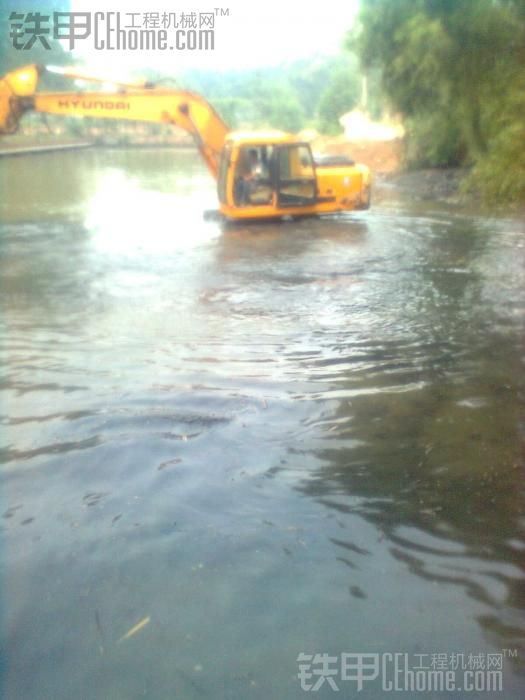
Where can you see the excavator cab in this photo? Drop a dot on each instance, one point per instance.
(273, 175)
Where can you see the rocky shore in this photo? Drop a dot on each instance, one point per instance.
(435, 184)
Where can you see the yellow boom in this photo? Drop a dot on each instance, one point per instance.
(180, 108)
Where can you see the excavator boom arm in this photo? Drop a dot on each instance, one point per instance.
(179, 108)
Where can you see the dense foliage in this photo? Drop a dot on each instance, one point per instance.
(313, 92)
(455, 70)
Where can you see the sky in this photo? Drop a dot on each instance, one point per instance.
(253, 34)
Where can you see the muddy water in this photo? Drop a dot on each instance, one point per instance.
(243, 444)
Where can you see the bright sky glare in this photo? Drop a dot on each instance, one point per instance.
(254, 34)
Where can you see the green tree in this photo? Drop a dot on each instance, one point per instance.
(251, 99)
(276, 105)
(454, 68)
(341, 95)
(233, 110)
(286, 97)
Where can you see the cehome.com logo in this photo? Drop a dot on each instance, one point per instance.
(116, 31)
(401, 672)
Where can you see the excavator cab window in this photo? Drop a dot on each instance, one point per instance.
(253, 176)
(296, 185)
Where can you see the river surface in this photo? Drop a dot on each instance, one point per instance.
(222, 448)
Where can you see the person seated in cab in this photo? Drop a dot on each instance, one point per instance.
(256, 168)
(253, 172)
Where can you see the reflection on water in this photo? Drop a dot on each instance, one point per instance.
(267, 440)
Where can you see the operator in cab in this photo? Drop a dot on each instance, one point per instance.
(253, 172)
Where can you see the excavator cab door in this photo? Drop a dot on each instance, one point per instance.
(296, 179)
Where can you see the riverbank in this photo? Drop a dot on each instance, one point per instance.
(96, 136)
(14, 149)
(380, 156)
(442, 184)
(384, 158)
(19, 143)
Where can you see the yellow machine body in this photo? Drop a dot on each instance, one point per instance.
(260, 175)
(291, 183)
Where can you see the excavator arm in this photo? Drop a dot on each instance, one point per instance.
(135, 102)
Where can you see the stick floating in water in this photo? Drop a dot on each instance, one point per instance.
(145, 621)
(102, 644)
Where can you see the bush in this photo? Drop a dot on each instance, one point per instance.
(434, 140)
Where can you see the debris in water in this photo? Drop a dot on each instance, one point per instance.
(177, 460)
(92, 498)
(357, 592)
(11, 511)
(101, 646)
(145, 621)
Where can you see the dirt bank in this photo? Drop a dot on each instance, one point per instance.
(380, 156)
(385, 159)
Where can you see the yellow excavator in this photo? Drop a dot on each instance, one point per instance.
(260, 175)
